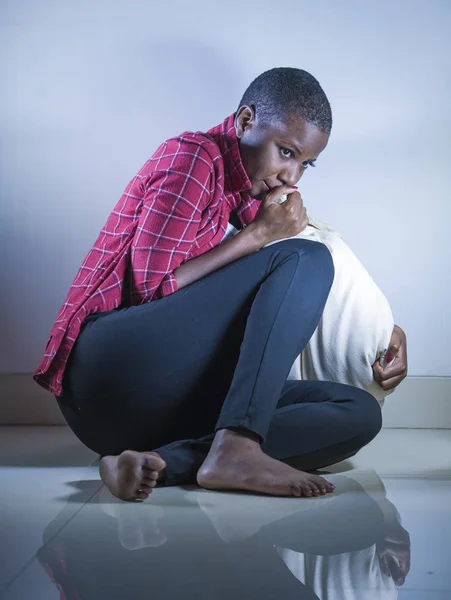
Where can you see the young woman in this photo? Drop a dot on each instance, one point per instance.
(170, 355)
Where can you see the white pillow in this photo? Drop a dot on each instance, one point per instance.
(356, 325)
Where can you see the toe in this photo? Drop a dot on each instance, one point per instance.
(147, 485)
(314, 488)
(323, 484)
(141, 495)
(314, 484)
(306, 489)
(154, 462)
(296, 489)
(320, 486)
(151, 474)
(149, 481)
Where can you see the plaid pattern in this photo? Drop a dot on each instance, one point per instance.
(176, 208)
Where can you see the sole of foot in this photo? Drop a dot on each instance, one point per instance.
(131, 475)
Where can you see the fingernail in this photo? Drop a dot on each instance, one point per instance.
(294, 187)
(388, 358)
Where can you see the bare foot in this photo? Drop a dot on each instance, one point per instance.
(236, 461)
(131, 475)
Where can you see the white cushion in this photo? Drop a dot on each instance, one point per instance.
(356, 325)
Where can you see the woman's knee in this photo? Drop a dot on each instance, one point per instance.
(317, 249)
(318, 252)
(369, 414)
(323, 258)
(320, 256)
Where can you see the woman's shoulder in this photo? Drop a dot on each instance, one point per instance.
(193, 153)
(197, 143)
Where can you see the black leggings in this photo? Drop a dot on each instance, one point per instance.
(166, 375)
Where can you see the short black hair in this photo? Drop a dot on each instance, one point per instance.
(283, 93)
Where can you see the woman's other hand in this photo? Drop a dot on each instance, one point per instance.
(389, 377)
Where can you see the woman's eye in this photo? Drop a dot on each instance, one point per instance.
(291, 153)
(305, 163)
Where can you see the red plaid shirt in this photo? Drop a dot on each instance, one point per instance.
(176, 208)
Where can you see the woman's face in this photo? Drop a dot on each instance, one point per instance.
(276, 154)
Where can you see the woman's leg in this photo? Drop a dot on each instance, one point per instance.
(316, 424)
(215, 355)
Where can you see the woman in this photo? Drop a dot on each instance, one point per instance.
(170, 354)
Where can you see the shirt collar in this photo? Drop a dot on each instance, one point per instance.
(224, 134)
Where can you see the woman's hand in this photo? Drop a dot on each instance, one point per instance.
(393, 552)
(276, 221)
(390, 376)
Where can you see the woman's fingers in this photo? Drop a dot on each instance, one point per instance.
(390, 383)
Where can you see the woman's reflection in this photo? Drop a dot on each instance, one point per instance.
(222, 545)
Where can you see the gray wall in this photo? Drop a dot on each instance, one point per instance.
(91, 88)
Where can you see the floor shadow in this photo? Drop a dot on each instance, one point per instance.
(71, 455)
(81, 491)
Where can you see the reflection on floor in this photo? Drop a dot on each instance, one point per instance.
(385, 531)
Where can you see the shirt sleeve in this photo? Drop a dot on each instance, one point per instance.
(176, 192)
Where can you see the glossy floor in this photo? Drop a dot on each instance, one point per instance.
(62, 535)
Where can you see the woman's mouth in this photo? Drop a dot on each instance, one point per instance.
(266, 185)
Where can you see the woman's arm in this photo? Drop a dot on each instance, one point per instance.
(247, 241)
(174, 193)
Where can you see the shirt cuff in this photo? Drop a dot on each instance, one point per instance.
(167, 286)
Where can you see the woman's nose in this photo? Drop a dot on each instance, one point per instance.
(293, 177)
